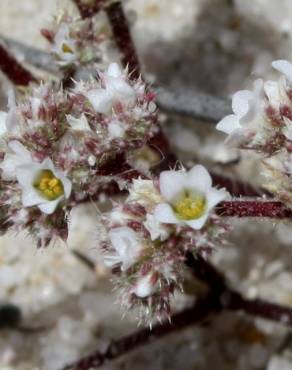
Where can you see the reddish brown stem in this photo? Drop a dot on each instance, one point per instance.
(246, 208)
(202, 309)
(232, 300)
(87, 9)
(237, 188)
(123, 38)
(120, 29)
(220, 297)
(13, 69)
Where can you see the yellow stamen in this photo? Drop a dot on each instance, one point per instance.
(49, 186)
(66, 48)
(190, 207)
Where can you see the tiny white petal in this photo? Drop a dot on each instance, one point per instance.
(19, 156)
(155, 228)
(198, 223)
(80, 123)
(164, 213)
(114, 70)
(145, 287)
(198, 178)
(283, 66)
(241, 102)
(30, 197)
(101, 100)
(49, 207)
(127, 244)
(116, 130)
(171, 184)
(228, 124)
(215, 196)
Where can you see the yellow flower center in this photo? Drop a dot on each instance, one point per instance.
(66, 48)
(190, 207)
(49, 186)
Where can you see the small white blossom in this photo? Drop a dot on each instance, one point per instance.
(145, 286)
(156, 229)
(64, 46)
(17, 156)
(78, 124)
(246, 106)
(127, 245)
(116, 130)
(189, 197)
(115, 89)
(43, 185)
(144, 193)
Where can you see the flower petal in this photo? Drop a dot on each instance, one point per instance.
(164, 214)
(50, 206)
(145, 286)
(101, 100)
(30, 197)
(215, 196)
(171, 184)
(198, 178)
(127, 245)
(198, 223)
(80, 123)
(228, 124)
(114, 70)
(19, 157)
(241, 102)
(283, 66)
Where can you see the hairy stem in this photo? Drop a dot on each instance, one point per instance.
(219, 298)
(13, 69)
(201, 310)
(88, 8)
(254, 208)
(122, 35)
(232, 300)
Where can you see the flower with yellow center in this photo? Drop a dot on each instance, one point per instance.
(190, 207)
(49, 186)
(43, 185)
(64, 46)
(189, 197)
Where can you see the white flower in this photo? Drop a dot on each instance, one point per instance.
(156, 229)
(42, 185)
(246, 106)
(145, 287)
(144, 193)
(78, 124)
(127, 245)
(116, 130)
(18, 156)
(115, 89)
(64, 46)
(189, 197)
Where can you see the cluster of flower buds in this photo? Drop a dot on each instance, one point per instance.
(79, 42)
(262, 121)
(59, 148)
(145, 239)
